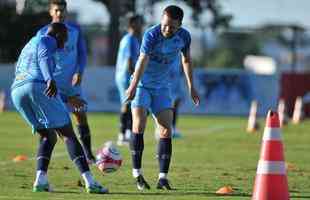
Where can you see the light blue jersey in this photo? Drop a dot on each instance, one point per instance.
(36, 63)
(69, 61)
(128, 49)
(164, 55)
(153, 91)
(34, 67)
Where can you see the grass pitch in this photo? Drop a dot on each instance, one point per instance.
(214, 152)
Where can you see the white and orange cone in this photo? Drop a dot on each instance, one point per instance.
(252, 121)
(298, 113)
(282, 113)
(271, 180)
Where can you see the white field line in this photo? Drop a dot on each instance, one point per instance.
(214, 129)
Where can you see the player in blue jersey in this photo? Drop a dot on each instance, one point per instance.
(34, 94)
(127, 56)
(149, 89)
(70, 65)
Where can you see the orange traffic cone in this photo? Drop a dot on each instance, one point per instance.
(297, 114)
(282, 113)
(252, 121)
(271, 181)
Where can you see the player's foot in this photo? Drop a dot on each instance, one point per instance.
(128, 135)
(42, 188)
(96, 188)
(163, 184)
(141, 183)
(122, 140)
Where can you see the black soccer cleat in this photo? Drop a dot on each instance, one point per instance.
(141, 183)
(163, 184)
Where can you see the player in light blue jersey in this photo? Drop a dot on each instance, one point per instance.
(70, 65)
(127, 56)
(34, 94)
(149, 89)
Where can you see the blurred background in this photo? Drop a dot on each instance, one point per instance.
(243, 50)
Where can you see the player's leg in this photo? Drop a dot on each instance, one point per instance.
(77, 155)
(139, 116)
(162, 111)
(164, 121)
(84, 134)
(125, 124)
(175, 132)
(47, 141)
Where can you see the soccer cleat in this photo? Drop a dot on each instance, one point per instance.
(141, 183)
(42, 188)
(122, 140)
(163, 184)
(96, 188)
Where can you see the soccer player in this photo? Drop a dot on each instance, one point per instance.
(34, 94)
(70, 65)
(149, 89)
(128, 53)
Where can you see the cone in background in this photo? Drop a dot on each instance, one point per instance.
(283, 118)
(271, 181)
(225, 190)
(2, 101)
(252, 121)
(298, 113)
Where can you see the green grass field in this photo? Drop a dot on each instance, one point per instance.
(215, 151)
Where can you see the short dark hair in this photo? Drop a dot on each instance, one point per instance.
(57, 2)
(174, 12)
(134, 18)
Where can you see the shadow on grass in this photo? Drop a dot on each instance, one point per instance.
(300, 197)
(65, 192)
(179, 193)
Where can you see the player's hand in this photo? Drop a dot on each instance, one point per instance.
(130, 94)
(76, 79)
(195, 96)
(51, 89)
(76, 103)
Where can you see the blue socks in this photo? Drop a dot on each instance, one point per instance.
(136, 147)
(76, 153)
(45, 149)
(164, 154)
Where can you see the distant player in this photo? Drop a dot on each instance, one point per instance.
(128, 53)
(34, 94)
(149, 89)
(70, 65)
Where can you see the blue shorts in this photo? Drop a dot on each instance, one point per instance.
(155, 100)
(40, 111)
(122, 87)
(77, 92)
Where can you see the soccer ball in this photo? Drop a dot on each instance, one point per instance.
(108, 158)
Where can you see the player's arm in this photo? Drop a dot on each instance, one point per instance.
(139, 69)
(81, 60)
(46, 49)
(187, 68)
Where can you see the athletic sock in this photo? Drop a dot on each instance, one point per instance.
(85, 138)
(76, 154)
(136, 147)
(123, 123)
(164, 154)
(45, 149)
(88, 178)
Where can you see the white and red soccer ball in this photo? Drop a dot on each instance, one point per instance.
(108, 158)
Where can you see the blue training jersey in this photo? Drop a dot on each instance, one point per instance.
(36, 62)
(71, 60)
(129, 48)
(164, 55)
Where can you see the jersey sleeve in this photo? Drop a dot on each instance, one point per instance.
(187, 42)
(82, 53)
(148, 43)
(46, 48)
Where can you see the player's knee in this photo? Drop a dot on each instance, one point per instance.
(165, 132)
